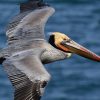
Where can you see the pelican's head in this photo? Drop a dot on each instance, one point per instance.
(64, 43)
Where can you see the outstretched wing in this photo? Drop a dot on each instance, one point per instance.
(29, 24)
(28, 77)
(25, 70)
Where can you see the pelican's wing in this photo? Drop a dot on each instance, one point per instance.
(29, 24)
(28, 76)
(31, 4)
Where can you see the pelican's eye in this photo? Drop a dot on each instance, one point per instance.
(68, 40)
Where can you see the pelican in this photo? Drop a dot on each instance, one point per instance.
(28, 50)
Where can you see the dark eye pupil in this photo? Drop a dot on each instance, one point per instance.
(68, 40)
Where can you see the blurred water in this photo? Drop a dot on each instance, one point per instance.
(75, 78)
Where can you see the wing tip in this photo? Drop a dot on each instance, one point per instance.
(33, 4)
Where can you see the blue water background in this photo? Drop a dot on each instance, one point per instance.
(72, 79)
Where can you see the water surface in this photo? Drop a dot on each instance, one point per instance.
(72, 79)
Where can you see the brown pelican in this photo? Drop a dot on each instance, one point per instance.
(28, 50)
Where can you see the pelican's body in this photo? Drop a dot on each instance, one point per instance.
(28, 50)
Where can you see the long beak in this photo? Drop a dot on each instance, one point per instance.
(80, 50)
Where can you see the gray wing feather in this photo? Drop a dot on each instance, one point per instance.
(24, 88)
(28, 76)
(29, 24)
